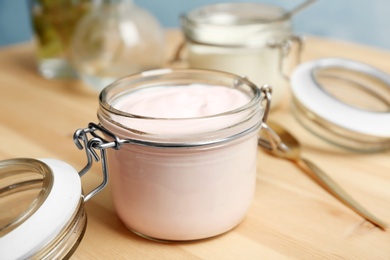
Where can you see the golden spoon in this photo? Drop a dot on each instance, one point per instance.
(280, 143)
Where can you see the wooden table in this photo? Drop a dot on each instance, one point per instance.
(291, 216)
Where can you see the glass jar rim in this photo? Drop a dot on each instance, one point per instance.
(180, 132)
(161, 74)
(249, 25)
(259, 13)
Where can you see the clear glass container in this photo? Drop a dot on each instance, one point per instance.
(53, 23)
(116, 38)
(42, 214)
(247, 39)
(182, 178)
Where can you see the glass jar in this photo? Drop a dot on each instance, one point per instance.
(186, 177)
(247, 39)
(116, 38)
(45, 216)
(53, 23)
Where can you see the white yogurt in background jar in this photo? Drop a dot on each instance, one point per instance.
(247, 39)
(187, 169)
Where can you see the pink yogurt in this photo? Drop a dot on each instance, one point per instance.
(188, 170)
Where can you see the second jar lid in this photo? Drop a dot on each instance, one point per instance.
(344, 101)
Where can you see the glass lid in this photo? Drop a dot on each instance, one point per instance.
(344, 102)
(41, 204)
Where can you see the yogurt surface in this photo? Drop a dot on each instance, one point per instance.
(196, 100)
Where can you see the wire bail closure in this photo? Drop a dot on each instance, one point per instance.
(284, 49)
(91, 145)
(266, 91)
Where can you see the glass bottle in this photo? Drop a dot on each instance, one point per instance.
(115, 39)
(53, 23)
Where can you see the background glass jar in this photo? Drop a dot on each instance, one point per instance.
(248, 39)
(53, 23)
(181, 178)
(114, 39)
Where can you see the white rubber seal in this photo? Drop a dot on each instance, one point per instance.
(46, 223)
(318, 101)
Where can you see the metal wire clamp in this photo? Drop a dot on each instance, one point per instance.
(88, 139)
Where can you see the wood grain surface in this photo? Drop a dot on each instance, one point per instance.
(291, 216)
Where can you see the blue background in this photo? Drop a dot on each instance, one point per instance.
(362, 21)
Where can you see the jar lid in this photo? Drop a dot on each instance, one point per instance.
(43, 201)
(343, 101)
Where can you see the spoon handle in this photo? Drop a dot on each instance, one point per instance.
(333, 188)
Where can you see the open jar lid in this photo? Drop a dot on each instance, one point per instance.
(42, 209)
(343, 101)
